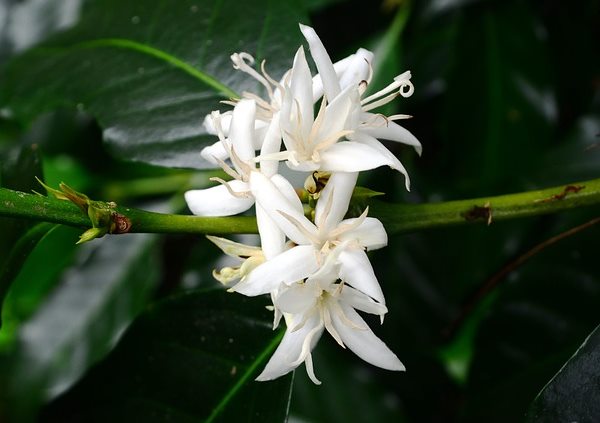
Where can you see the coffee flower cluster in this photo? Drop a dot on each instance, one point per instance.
(316, 270)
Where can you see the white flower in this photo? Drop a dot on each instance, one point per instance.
(365, 128)
(309, 309)
(249, 256)
(266, 107)
(235, 196)
(332, 247)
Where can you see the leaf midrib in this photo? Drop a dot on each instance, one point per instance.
(149, 50)
(245, 377)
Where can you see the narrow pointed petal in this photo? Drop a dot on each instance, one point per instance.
(351, 156)
(242, 129)
(274, 203)
(337, 193)
(370, 234)
(394, 163)
(288, 191)
(337, 113)
(301, 87)
(217, 201)
(288, 267)
(323, 62)
(357, 271)
(271, 144)
(357, 300)
(272, 239)
(358, 68)
(389, 130)
(364, 343)
(288, 351)
(317, 83)
(234, 249)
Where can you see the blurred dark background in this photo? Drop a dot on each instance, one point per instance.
(507, 99)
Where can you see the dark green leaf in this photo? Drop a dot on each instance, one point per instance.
(18, 254)
(150, 72)
(542, 313)
(573, 394)
(18, 237)
(189, 358)
(79, 323)
(38, 276)
(18, 169)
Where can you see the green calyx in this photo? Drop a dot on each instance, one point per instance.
(102, 214)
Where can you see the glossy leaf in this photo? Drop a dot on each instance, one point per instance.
(18, 254)
(573, 393)
(38, 276)
(542, 313)
(192, 357)
(17, 171)
(150, 72)
(79, 323)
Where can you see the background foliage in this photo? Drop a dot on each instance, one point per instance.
(507, 99)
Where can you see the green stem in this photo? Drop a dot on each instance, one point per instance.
(36, 207)
(400, 218)
(397, 218)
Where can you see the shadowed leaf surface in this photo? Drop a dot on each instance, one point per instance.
(150, 71)
(573, 395)
(78, 323)
(193, 357)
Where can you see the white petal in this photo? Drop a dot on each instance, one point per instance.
(289, 350)
(234, 249)
(328, 272)
(288, 267)
(364, 343)
(323, 62)
(357, 271)
(217, 201)
(334, 200)
(297, 298)
(389, 130)
(288, 191)
(303, 166)
(215, 151)
(317, 83)
(272, 239)
(300, 85)
(358, 68)
(209, 123)
(394, 163)
(337, 113)
(274, 203)
(370, 234)
(357, 300)
(242, 129)
(350, 156)
(271, 144)
(260, 131)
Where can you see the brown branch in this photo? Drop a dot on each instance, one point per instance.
(494, 281)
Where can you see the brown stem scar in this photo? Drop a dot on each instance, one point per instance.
(567, 190)
(479, 212)
(122, 224)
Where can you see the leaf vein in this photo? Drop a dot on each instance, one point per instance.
(162, 55)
